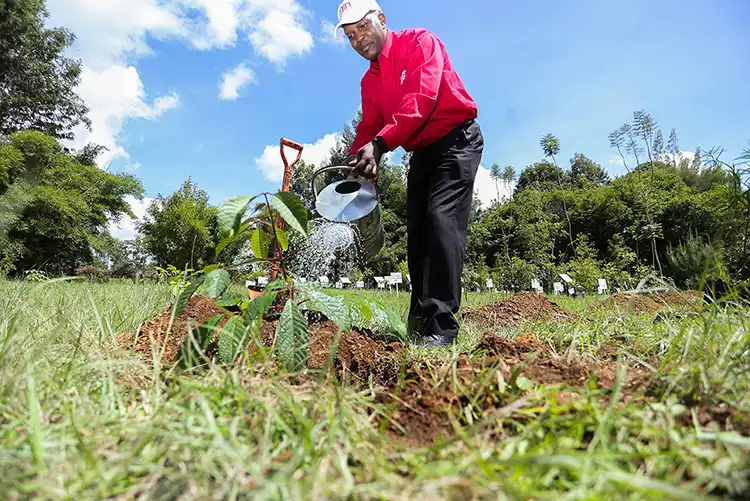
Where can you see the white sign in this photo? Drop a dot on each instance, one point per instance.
(397, 278)
(602, 283)
(339, 285)
(250, 283)
(360, 285)
(566, 278)
(559, 287)
(490, 284)
(572, 291)
(535, 284)
(262, 281)
(346, 281)
(324, 280)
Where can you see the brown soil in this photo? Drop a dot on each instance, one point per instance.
(655, 303)
(427, 399)
(630, 301)
(524, 307)
(676, 298)
(423, 407)
(152, 336)
(358, 355)
(722, 417)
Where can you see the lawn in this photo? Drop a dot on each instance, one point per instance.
(613, 404)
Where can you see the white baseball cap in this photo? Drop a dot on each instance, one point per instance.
(352, 11)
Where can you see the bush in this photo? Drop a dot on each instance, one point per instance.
(92, 273)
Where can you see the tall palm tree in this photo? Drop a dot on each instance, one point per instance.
(508, 176)
(496, 176)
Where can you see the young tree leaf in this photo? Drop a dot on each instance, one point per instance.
(233, 339)
(292, 210)
(216, 283)
(226, 242)
(293, 337)
(185, 296)
(259, 243)
(258, 307)
(333, 307)
(193, 348)
(282, 238)
(230, 214)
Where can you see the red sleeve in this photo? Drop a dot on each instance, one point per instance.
(370, 124)
(421, 86)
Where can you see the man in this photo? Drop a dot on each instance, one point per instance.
(413, 98)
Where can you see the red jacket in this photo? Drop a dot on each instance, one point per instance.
(412, 96)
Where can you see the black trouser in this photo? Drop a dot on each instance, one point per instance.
(440, 189)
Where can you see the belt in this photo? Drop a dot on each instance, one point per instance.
(447, 138)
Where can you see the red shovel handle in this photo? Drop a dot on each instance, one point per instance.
(287, 166)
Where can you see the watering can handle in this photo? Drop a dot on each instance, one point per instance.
(328, 169)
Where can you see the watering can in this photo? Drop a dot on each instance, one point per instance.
(352, 200)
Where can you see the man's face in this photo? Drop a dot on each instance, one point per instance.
(367, 36)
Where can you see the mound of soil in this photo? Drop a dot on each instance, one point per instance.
(155, 334)
(630, 301)
(677, 298)
(358, 355)
(642, 303)
(423, 406)
(521, 308)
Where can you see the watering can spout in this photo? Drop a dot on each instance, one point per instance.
(352, 200)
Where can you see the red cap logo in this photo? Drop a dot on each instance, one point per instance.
(344, 7)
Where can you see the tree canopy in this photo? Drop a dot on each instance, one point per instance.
(37, 81)
(55, 210)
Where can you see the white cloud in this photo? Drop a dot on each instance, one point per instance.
(272, 167)
(112, 34)
(126, 228)
(275, 28)
(616, 161)
(280, 35)
(233, 80)
(486, 189)
(108, 31)
(328, 34)
(115, 95)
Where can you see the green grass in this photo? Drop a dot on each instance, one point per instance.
(81, 420)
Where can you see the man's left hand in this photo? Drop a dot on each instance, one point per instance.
(368, 158)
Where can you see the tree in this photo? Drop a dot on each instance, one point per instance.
(508, 176)
(55, 210)
(617, 140)
(673, 146)
(586, 172)
(659, 147)
(551, 146)
(37, 82)
(496, 175)
(541, 176)
(181, 229)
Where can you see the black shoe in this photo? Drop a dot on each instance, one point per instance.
(435, 341)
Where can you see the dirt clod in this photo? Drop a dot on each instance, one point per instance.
(521, 308)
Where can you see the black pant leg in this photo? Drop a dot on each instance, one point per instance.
(451, 186)
(417, 193)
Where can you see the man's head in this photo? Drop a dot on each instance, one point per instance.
(363, 23)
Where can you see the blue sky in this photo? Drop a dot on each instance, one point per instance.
(577, 69)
